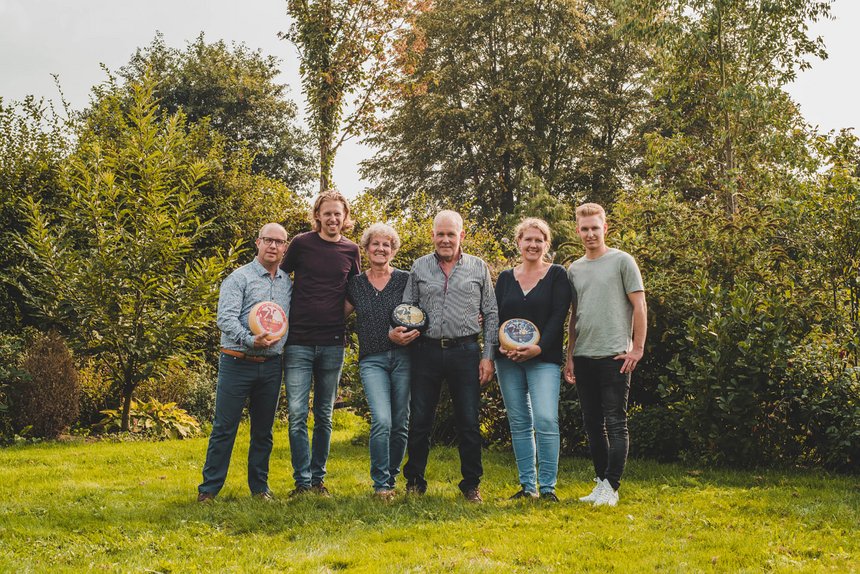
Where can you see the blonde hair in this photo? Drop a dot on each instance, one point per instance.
(533, 223)
(587, 209)
(330, 195)
(381, 230)
(539, 224)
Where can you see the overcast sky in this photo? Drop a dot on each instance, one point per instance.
(71, 38)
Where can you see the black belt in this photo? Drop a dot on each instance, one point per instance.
(447, 343)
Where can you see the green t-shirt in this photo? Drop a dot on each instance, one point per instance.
(604, 314)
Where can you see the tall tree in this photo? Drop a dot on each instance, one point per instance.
(724, 127)
(492, 94)
(345, 47)
(114, 265)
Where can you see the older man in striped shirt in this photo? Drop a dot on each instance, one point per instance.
(454, 289)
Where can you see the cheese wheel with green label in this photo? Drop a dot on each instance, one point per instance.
(270, 317)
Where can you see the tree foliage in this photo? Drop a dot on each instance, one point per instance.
(239, 123)
(492, 94)
(235, 90)
(722, 124)
(114, 263)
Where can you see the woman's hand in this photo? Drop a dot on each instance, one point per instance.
(521, 354)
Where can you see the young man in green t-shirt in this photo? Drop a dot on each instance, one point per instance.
(607, 340)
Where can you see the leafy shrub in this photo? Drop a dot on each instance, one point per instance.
(11, 375)
(47, 403)
(161, 420)
(827, 405)
(655, 432)
(96, 393)
(198, 398)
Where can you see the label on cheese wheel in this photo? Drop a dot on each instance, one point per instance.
(268, 316)
(515, 333)
(409, 316)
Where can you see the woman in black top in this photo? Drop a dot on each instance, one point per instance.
(530, 376)
(384, 366)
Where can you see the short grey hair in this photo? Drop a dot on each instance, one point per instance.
(449, 215)
(381, 230)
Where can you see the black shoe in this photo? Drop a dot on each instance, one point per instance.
(205, 497)
(473, 495)
(417, 489)
(298, 491)
(265, 496)
(524, 494)
(549, 496)
(320, 490)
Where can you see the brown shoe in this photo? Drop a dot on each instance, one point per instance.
(473, 495)
(266, 496)
(320, 490)
(298, 491)
(205, 497)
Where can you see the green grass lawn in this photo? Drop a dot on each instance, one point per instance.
(130, 507)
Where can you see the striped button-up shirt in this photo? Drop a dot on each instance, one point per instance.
(454, 303)
(242, 289)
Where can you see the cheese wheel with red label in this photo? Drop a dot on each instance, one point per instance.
(270, 317)
(515, 333)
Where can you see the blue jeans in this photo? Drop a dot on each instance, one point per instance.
(458, 366)
(307, 366)
(530, 391)
(385, 377)
(239, 380)
(603, 391)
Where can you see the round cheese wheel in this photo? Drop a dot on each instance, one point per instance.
(268, 316)
(409, 316)
(515, 333)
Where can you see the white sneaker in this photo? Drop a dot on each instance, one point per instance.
(607, 496)
(594, 493)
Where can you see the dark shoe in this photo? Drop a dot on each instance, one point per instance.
(524, 494)
(205, 497)
(320, 490)
(416, 489)
(266, 496)
(473, 495)
(299, 490)
(549, 496)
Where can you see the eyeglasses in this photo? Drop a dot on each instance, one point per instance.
(272, 241)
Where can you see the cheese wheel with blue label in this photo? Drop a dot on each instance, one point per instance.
(515, 333)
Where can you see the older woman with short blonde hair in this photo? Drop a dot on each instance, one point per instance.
(384, 366)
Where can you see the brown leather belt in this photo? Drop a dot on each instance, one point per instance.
(243, 356)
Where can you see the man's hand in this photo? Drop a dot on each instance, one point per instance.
(521, 354)
(265, 340)
(402, 336)
(485, 371)
(630, 360)
(568, 371)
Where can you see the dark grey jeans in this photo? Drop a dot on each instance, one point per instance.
(603, 392)
(240, 380)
